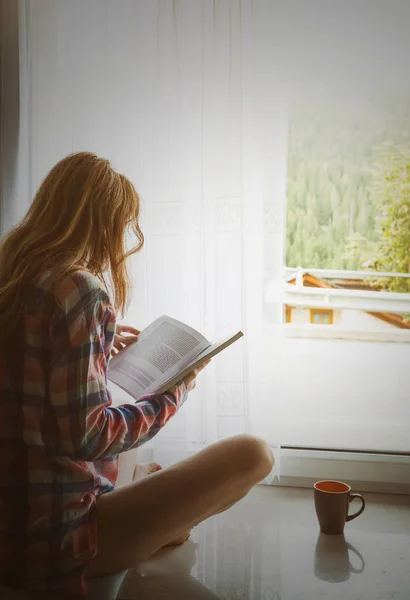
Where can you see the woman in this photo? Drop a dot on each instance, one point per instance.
(63, 280)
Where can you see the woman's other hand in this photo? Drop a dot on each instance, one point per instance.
(190, 379)
(121, 340)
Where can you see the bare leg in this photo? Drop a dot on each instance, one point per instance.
(136, 520)
(142, 470)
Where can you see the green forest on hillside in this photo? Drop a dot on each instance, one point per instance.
(338, 158)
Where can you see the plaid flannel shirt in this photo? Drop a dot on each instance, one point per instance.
(60, 436)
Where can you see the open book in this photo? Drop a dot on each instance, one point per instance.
(165, 353)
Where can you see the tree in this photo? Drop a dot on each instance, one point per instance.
(334, 151)
(355, 250)
(391, 192)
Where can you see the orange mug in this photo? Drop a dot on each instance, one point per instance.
(332, 501)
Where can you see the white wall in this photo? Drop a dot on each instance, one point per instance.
(357, 319)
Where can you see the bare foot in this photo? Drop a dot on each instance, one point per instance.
(141, 471)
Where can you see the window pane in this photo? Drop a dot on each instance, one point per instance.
(348, 215)
(322, 318)
(349, 181)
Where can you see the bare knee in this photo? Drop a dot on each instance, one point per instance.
(253, 456)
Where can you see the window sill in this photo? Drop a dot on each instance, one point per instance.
(379, 473)
(331, 332)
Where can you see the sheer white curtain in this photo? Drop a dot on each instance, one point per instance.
(185, 98)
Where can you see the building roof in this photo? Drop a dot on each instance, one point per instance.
(394, 319)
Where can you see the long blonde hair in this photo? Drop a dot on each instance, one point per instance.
(78, 220)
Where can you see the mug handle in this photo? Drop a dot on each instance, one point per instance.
(361, 509)
(352, 568)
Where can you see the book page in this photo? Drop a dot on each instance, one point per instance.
(206, 354)
(163, 349)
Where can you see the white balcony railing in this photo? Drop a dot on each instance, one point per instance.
(371, 301)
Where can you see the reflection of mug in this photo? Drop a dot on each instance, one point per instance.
(332, 559)
(332, 500)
